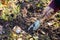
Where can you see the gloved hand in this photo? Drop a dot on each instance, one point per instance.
(34, 26)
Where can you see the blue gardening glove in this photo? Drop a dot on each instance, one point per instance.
(34, 26)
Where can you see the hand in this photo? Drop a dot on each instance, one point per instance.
(34, 26)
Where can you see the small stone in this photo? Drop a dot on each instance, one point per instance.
(17, 29)
(50, 23)
(19, 39)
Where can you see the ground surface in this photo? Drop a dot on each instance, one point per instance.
(20, 15)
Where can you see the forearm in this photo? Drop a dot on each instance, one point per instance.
(47, 14)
